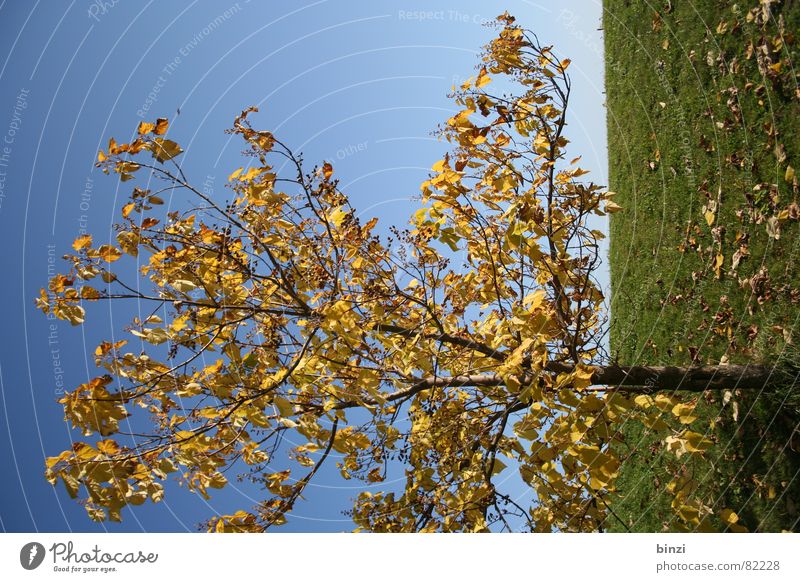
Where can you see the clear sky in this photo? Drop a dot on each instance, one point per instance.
(358, 83)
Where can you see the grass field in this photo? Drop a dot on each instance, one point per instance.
(704, 136)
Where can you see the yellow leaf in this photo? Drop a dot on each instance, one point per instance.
(483, 79)
(504, 182)
(108, 447)
(576, 434)
(498, 466)
(127, 209)
(285, 407)
(165, 149)
(129, 242)
(109, 253)
(665, 403)
(145, 128)
(654, 422)
(676, 445)
(217, 480)
(789, 176)
(183, 285)
(696, 443)
(161, 126)
(89, 293)
(689, 513)
(582, 376)
(327, 170)
(728, 516)
(337, 216)
(684, 413)
(82, 242)
(251, 173)
(156, 336)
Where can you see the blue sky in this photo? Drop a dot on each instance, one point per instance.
(360, 84)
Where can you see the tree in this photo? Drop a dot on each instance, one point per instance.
(482, 341)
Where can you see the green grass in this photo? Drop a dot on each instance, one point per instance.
(693, 122)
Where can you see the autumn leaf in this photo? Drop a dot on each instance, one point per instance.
(165, 149)
(82, 242)
(728, 516)
(109, 253)
(483, 79)
(719, 260)
(774, 227)
(696, 443)
(161, 126)
(145, 128)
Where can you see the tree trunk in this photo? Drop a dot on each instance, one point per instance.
(692, 379)
(642, 379)
(630, 379)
